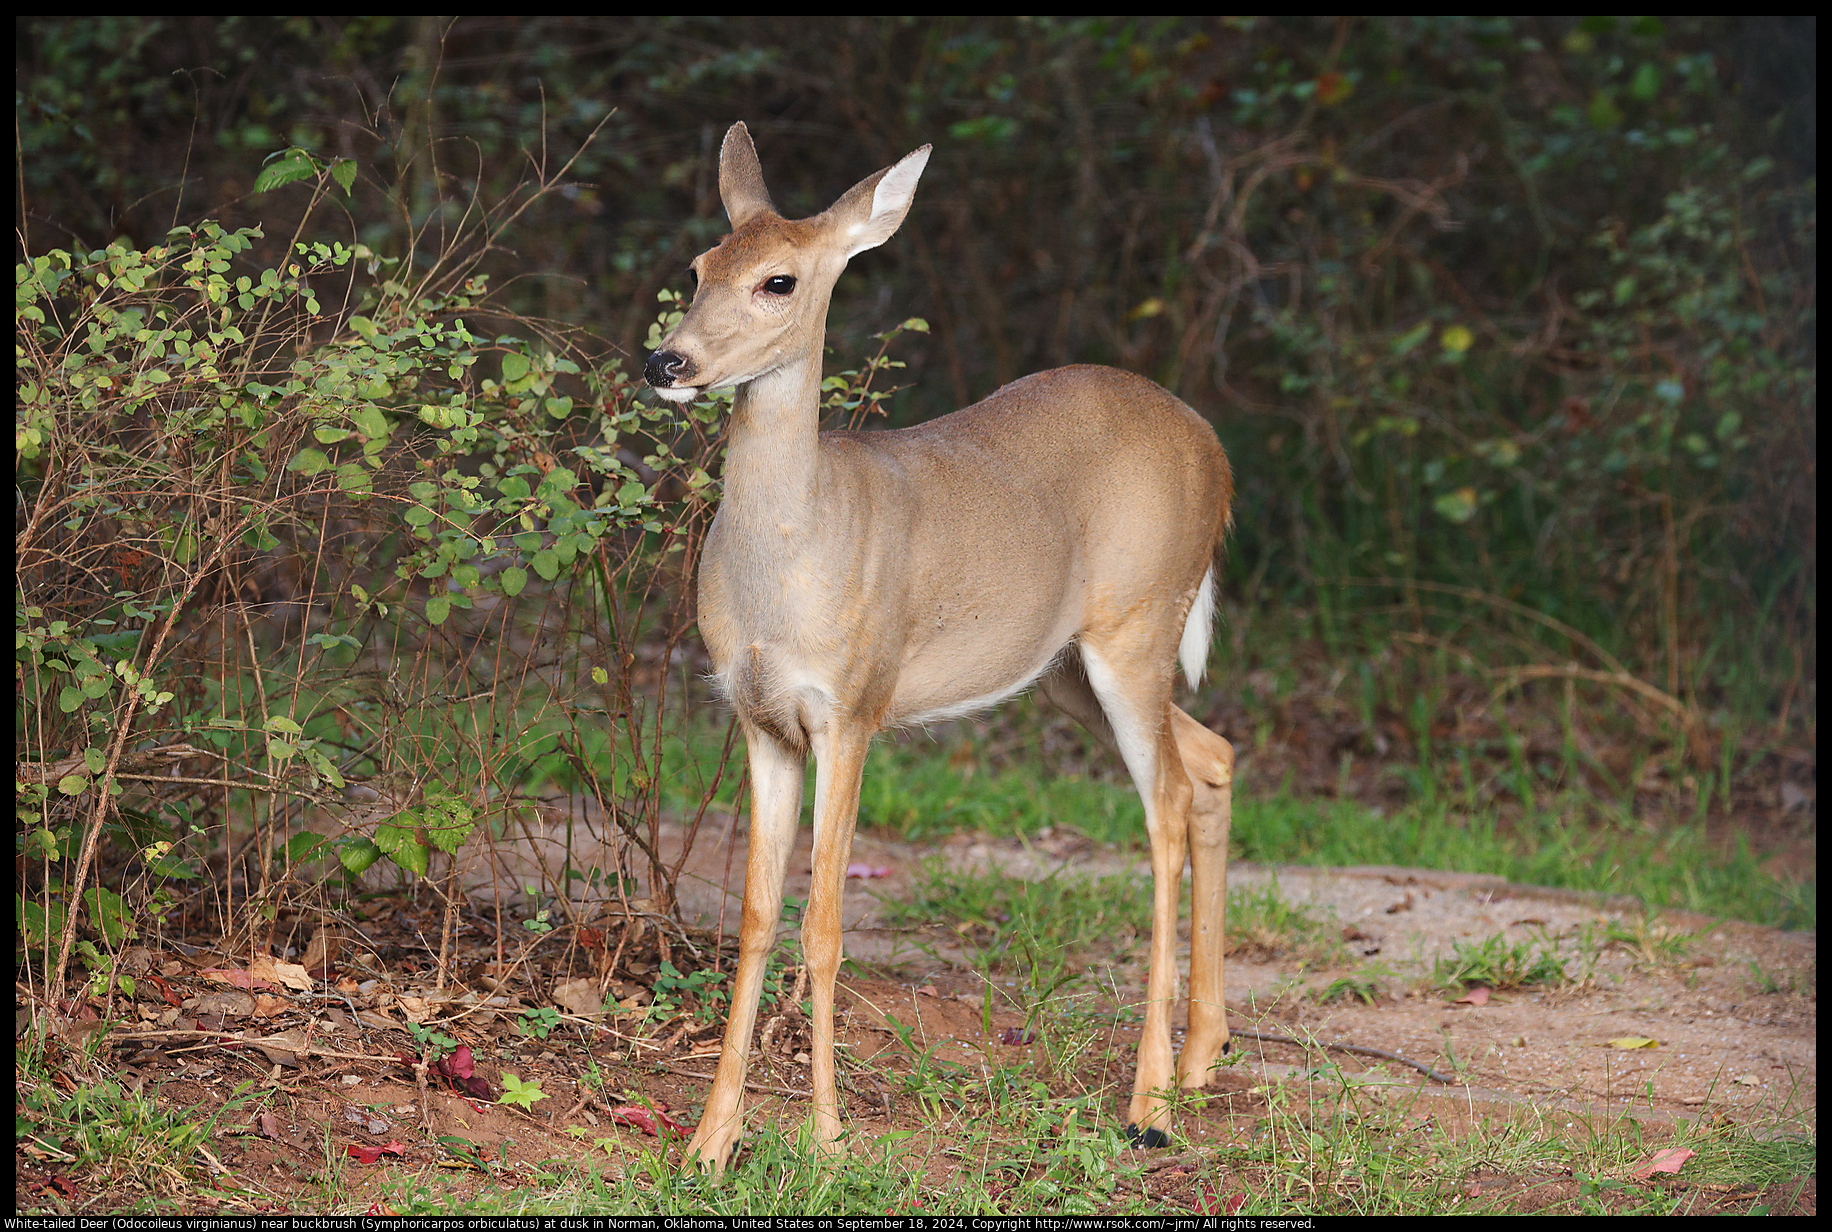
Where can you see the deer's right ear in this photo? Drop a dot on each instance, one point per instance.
(741, 178)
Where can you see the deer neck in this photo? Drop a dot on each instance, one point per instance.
(773, 451)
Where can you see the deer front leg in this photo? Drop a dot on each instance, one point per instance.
(840, 757)
(776, 785)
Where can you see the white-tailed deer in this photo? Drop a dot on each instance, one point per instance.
(1062, 533)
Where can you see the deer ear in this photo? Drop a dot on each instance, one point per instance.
(873, 209)
(741, 178)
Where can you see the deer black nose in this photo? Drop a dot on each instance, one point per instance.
(665, 368)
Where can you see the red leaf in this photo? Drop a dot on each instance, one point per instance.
(866, 872)
(269, 1125)
(1668, 1160)
(460, 1064)
(650, 1120)
(478, 1086)
(380, 1208)
(1475, 996)
(364, 1153)
(1014, 1035)
(1208, 1202)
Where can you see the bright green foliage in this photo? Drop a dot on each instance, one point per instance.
(522, 1094)
(187, 415)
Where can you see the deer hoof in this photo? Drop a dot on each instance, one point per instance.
(1146, 1139)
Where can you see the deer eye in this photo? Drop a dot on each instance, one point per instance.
(780, 284)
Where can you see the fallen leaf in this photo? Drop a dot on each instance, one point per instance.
(380, 1208)
(460, 1069)
(1668, 1160)
(1634, 1041)
(579, 997)
(1208, 1202)
(266, 1005)
(294, 976)
(269, 1125)
(323, 950)
(283, 1048)
(234, 977)
(417, 1009)
(650, 1120)
(460, 1064)
(1015, 1035)
(1475, 996)
(219, 1003)
(373, 1125)
(364, 1153)
(1747, 1080)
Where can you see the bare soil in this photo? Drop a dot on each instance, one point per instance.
(1731, 1011)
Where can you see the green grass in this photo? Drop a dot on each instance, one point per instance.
(136, 1141)
(996, 1141)
(911, 789)
(1497, 964)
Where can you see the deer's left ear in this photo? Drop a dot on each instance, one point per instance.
(873, 209)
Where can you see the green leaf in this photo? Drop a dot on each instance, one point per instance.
(370, 422)
(305, 846)
(289, 167)
(357, 854)
(309, 462)
(1646, 83)
(515, 1091)
(109, 913)
(515, 367)
(1459, 506)
(438, 607)
(344, 172)
(515, 580)
(403, 847)
(1411, 338)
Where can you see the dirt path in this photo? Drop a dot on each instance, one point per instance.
(1731, 1008)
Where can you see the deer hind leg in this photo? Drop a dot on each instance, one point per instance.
(1130, 677)
(776, 787)
(1208, 761)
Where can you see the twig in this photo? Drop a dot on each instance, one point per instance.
(760, 1087)
(1359, 1049)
